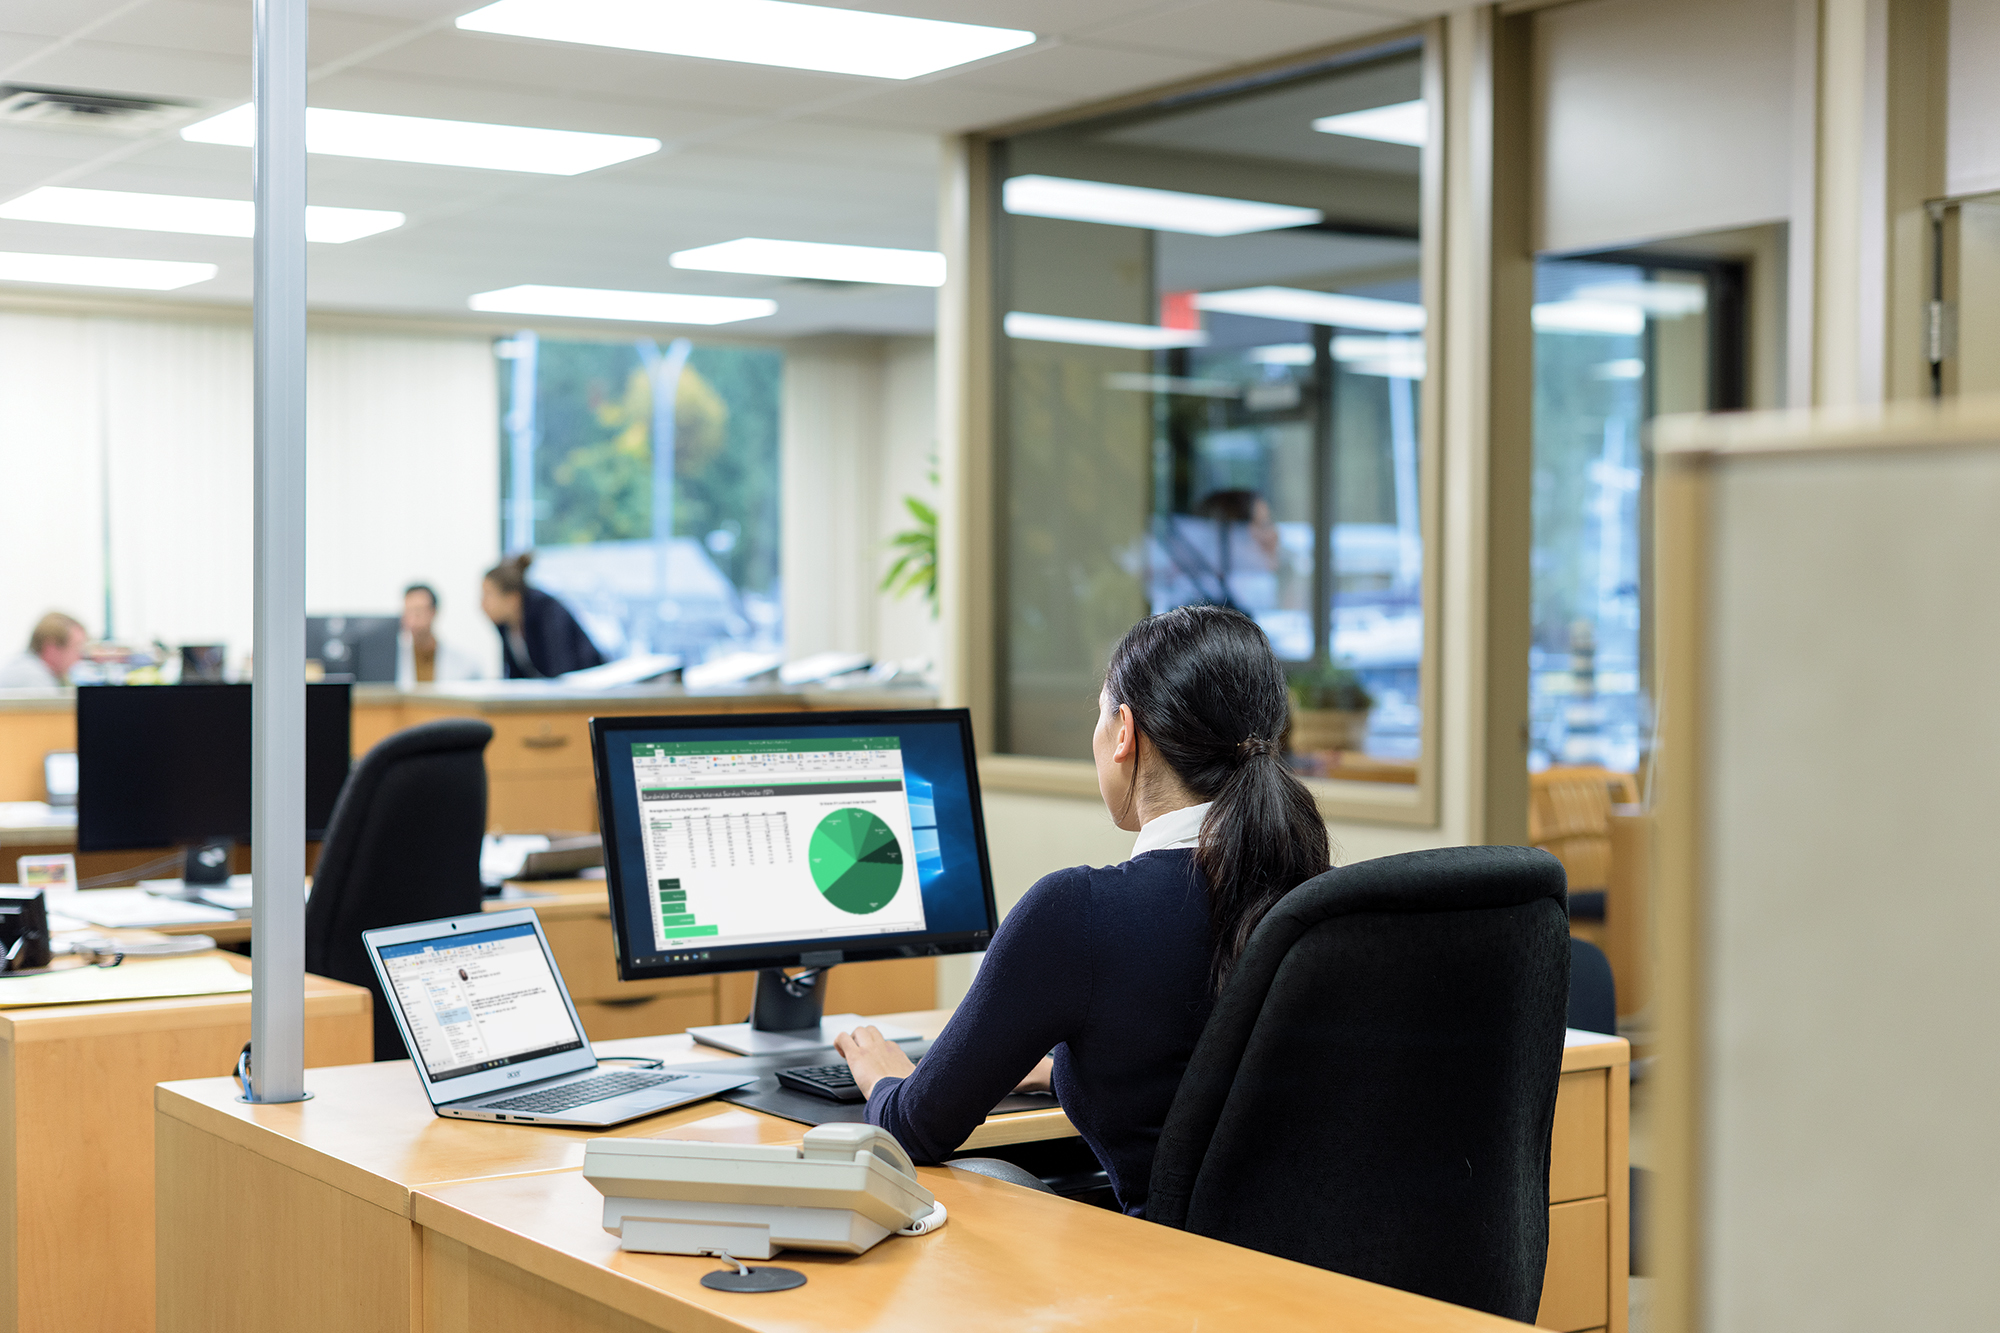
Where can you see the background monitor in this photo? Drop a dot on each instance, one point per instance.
(169, 765)
(791, 839)
(354, 648)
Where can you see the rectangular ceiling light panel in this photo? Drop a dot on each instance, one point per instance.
(148, 275)
(815, 259)
(640, 307)
(1605, 318)
(185, 214)
(1299, 306)
(1402, 122)
(1098, 332)
(441, 143)
(755, 32)
(1156, 210)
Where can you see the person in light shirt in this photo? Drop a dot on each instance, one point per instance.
(421, 657)
(54, 647)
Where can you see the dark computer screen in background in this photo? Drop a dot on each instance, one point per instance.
(354, 648)
(763, 840)
(169, 765)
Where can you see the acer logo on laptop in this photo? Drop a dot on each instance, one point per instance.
(513, 1073)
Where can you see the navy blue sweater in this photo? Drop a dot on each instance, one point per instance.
(1107, 969)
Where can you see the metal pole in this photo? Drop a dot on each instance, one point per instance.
(278, 697)
(665, 372)
(521, 349)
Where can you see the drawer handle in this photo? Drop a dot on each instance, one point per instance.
(545, 742)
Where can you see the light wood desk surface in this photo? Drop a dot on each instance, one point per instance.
(76, 1139)
(364, 1210)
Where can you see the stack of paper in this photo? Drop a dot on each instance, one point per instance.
(128, 981)
(133, 908)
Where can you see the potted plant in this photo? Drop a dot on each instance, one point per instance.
(1330, 708)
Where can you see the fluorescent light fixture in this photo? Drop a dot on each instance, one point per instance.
(1659, 298)
(1625, 368)
(441, 143)
(1307, 307)
(185, 213)
(1097, 332)
(1132, 382)
(815, 259)
(1158, 210)
(1599, 317)
(1283, 354)
(1396, 358)
(755, 32)
(151, 275)
(643, 307)
(1400, 122)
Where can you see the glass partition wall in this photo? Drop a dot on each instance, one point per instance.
(1211, 352)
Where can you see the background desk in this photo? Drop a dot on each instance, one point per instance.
(76, 1139)
(362, 1210)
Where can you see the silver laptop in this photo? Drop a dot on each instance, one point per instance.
(494, 1036)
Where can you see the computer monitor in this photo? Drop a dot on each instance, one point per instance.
(354, 648)
(169, 765)
(763, 841)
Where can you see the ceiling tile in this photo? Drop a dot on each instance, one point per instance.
(1106, 71)
(1240, 29)
(53, 18)
(945, 107)
(145, 72)
(412, 94)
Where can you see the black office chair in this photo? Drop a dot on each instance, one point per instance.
(1375, 1090)
(1593, 994)
(402, 846)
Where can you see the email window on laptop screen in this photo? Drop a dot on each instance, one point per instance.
(858, 836)
(477, 1001)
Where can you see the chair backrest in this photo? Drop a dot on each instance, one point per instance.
(402, 846)
(1375, 1090)
(1593, 994)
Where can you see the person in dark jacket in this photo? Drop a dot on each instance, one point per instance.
(1112, 972)
(538, 635)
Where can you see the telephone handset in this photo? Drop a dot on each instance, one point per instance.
(842, 1188)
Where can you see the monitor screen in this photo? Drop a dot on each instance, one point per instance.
(798, 838)
(354, 648)
(476, 1001)
(169, 765)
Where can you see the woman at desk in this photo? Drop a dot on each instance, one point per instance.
(538, 635)
(1114, 970)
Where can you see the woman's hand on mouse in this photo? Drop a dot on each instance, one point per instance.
(872, 1057)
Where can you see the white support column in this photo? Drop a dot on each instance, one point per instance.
(278, 698)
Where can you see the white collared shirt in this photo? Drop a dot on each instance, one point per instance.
(1176, 828)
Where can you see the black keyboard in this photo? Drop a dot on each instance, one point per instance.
(584, 1091)
(833, 1082)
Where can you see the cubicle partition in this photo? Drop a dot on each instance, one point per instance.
(1828, 1069)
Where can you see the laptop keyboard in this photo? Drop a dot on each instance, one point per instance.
(584, 1091)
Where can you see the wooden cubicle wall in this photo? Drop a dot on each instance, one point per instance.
(1829, 1072)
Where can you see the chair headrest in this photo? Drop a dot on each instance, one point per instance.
(444, 734)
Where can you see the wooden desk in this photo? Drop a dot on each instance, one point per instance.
(76, 1139)
(362, 1210)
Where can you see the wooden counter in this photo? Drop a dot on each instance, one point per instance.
(76, 1139)
(361, 1209)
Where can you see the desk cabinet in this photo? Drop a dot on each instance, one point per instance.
(1585, 1284)
(76, 1140)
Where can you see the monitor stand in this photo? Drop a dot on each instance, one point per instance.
(787, 1018)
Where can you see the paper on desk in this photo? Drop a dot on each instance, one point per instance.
(36, 814)
(133, 907)
(145, 980)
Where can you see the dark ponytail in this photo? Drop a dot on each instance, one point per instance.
(510, 576)
(1209, 696)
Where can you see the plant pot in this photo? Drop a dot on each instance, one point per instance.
(1315, 729)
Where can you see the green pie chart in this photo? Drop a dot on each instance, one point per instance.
(856, 861)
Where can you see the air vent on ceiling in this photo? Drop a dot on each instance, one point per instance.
(75, 108)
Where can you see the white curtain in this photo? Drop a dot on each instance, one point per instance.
(132, 437)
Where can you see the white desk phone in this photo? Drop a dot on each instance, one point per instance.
(843, 1188)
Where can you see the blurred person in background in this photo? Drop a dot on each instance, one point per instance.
(421, 658)
(538, 635)
(54, 647)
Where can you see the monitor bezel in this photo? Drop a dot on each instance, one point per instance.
(516, 1072)
(777, 955)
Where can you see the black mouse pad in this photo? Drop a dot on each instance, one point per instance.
(773, 1098)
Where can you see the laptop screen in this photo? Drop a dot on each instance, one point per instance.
(477, 1000)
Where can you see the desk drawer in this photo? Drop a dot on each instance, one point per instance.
(1576, 1285)
(528, 802)
(1577, 1148)
(535, 741)
(650, 1016)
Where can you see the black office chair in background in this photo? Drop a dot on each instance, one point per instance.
(403, 846)
(1375, 1090)
(1593, 994)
